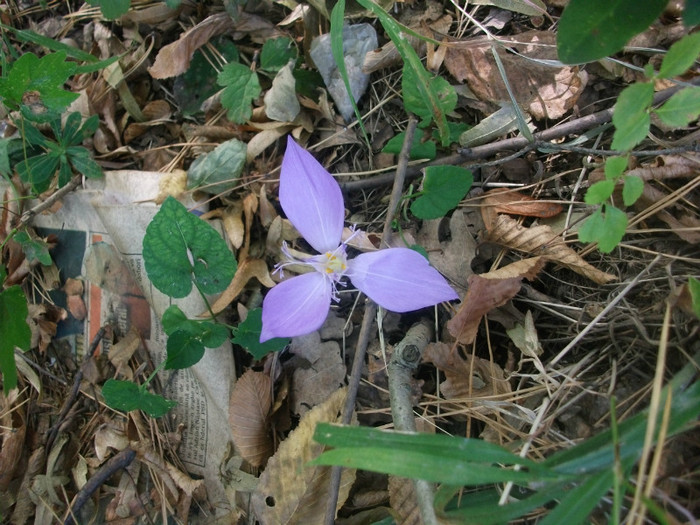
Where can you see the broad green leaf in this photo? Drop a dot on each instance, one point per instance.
(184, 350)
(213, 334)
(112, 9)
(681, 56)
(34, 249)
(38, 171)
(632, 189)
(174, 319)
(525, 7)
(615, 167)
(45, 76)
(694, 289)
(593, 29)
(419, 149)
(180, 248)
(606, 226)
(691, 13)
(276, 53)
(128, 396)
(247, 335)
(435, 96)
(433, 457)
(631, 115)
(241, 87)
(217, 171)
(599, 192)
(83, 163)
(681, 109)
(15, 333)
(443, 188)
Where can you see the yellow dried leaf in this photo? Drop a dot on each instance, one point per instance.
(248, 269)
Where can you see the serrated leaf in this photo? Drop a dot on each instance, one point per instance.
(247, 335)
(15, 333)
(682, 108)
(184, 350)
(217, 171)
(443, 188)
(606, 227)
(593, 29)
(631, 115)
(599, 192)
(276, 53)
(694, 289)
(241, 87)
(419, 149)
(180, 248)
(34, 249)
(681, 56)
(128, 396)
(45, 75)
(632, 189)
(615, 167)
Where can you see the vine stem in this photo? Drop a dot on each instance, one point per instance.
(367, 319)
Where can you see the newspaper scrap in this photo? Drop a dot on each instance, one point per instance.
(100, 230)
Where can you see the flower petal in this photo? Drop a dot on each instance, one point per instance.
(399, 279)
(296, 306)
(311, 198)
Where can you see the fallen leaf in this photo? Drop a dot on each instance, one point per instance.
(122, 351)
(11, 452)
(542, 240)
(249, 411)
(402, 498)
(106, 437)
(486, 292)
(290, 491)
(545, 91)
(502, 200)
(248, 269)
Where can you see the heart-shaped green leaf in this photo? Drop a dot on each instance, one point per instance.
(128, 396)
(443, 188)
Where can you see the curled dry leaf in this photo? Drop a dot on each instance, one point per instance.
(488, 291)
(290, 491)
(543, 241)
(248, 269)
(514, 203)
(544, 91)
(249, 411)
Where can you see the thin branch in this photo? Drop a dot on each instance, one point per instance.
(50, 201)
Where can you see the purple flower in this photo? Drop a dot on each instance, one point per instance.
(398, 279)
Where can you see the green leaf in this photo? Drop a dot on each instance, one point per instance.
(15, 333)
(174, 319)
(276, 53)
(83, 163)
(247, 335)
(45, 76)
(38, 171)
(691, 13)
(443, 188)
(217, 171)
(241, 87)
(631, 115)
(184, 350)
(632, 189)
(694, 289)
(128, 396)
(34, 249)
(593, 29)
(599, 192)
(615, 167)
(5, 157)
(214, 334)
(525, 7)
(681, 56)
(179, 247)
(433, 457)
(112, 9)
(606, 226)
(681, 109)
(456, 130)
(578, 503)
(419, 150)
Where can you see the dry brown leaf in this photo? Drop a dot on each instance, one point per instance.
(106, 437)
(544, 91)
(543, 241)
(121, 352)
(292, 492)
(402, 498)
(174, 59)
(249, 411)
(248, 269)
(488, 291)
(11, 452)
(233, 224)
(514, 203)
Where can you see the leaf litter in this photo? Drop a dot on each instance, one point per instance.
(489, 374)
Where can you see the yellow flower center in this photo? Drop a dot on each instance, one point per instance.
(334, 264)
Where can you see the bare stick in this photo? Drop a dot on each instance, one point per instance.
(404, 360)
(55, 197)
